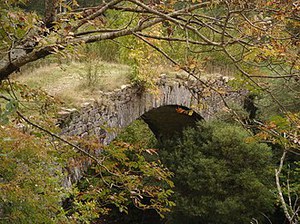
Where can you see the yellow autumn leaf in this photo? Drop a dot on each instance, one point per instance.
(190, 112)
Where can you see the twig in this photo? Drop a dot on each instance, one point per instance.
(96, 14)
(273, 77)
(171, 39)
(277, 173)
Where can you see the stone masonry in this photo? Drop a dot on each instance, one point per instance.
(115, 110)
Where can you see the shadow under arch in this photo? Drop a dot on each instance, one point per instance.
(170, 120)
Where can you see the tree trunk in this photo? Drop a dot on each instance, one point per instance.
(51, 7)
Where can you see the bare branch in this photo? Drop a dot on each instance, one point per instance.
(274, 77)
(171, 18)
(279, 189)
(173, 39)
(96, 14)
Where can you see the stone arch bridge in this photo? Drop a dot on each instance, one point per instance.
(174, 104)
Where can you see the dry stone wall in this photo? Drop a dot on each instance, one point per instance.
(115, 110)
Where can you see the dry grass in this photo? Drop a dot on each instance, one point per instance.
(70, 81)
(80, 82)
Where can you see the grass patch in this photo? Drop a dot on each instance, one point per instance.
(76, 82)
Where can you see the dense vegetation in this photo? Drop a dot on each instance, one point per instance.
(243, 168)
(220, 175)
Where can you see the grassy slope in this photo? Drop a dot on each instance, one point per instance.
(70, 83)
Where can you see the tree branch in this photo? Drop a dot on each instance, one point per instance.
(279, 189)
(96, 14)
(9, 67)
(171, 39)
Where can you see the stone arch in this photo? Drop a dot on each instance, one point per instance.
(115, 110)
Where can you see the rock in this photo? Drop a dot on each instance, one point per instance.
(124, 86)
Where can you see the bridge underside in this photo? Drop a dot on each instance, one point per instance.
(168, 121)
